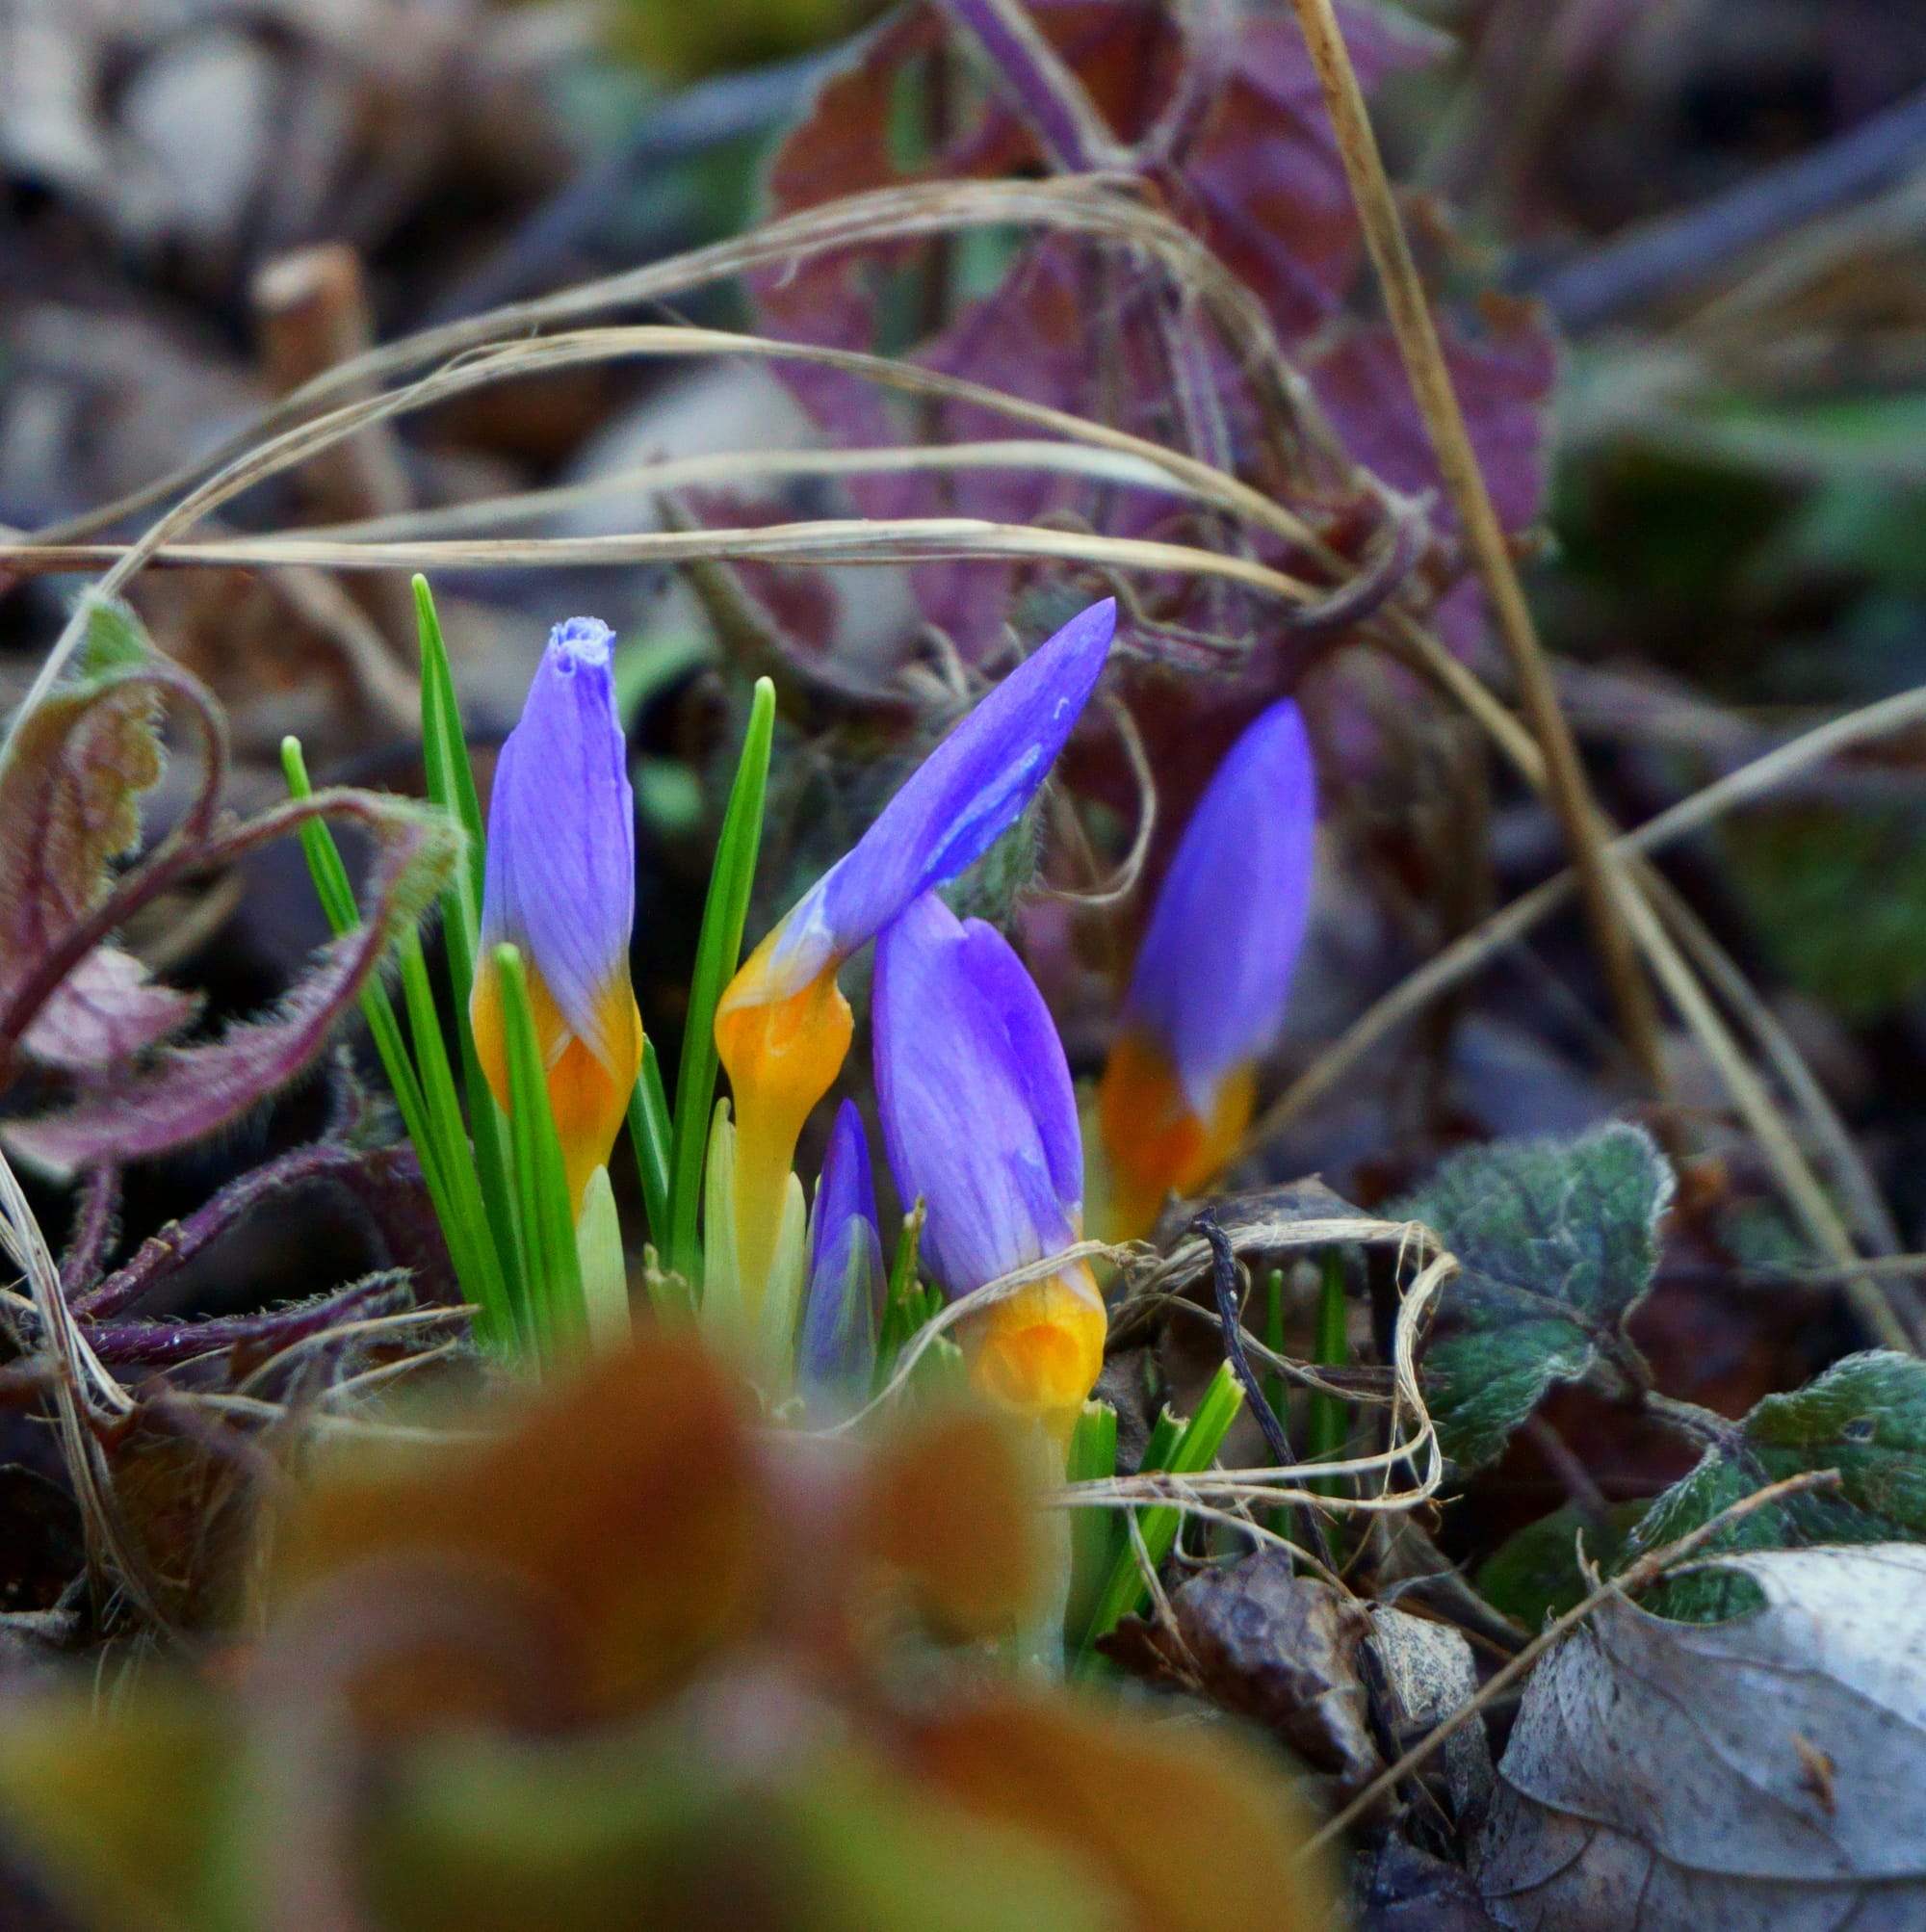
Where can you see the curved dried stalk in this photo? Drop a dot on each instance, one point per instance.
(481, 367)
(1099, 207)
(1122, 880)
(1412, 1439)
(84, 1390)
(738, 466)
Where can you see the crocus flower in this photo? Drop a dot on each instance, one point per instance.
(843, 1304)
(783, 1027)
(1208, 996)
(980, 1120)
(561, 885)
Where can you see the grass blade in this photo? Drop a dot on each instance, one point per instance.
(558, 1314)
(717, 954)
(654, 1137)
(451, 785)
(1193, 1451)
(442, 1154)
(1330, 1425)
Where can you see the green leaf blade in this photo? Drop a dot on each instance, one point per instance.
(717, 954)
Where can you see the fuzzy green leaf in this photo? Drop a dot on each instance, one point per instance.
(1865, 1417)
(1559, 1241)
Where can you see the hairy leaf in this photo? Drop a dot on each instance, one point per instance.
(71, 806)
(1865, 1417)
(188, 1092)
(1762, 1775)
(1559, 1241)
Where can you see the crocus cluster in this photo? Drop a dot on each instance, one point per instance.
(979, 1118)
(561, 885)
(783, 1030)
(1208, 996)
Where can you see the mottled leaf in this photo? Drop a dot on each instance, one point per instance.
(1557, 1241)
(71, 795)
(1755, 1777)
(187, 1093)
(1866, 1417)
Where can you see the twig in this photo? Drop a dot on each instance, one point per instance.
(1645, 1572)
(1423, 358)
(1230, 1318)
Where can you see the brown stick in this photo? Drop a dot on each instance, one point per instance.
(1431, 383)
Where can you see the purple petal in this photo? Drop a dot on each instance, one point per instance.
(960, 801)
(1214, 971)
(843, 1307)
(560, 880)
(975, 1096)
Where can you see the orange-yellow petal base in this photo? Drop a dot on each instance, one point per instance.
(1040, 1350)
(1157, 1145)
(589, 1102)
(782, 1057)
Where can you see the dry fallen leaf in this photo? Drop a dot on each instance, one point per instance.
(1758, 1775)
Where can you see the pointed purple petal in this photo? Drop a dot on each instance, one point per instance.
(964, 1048)
(958, 803)
(561, 880)
(1214, 971)
(843, 1307)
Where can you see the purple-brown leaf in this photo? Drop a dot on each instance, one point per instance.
(191, 1092)
(70, 791)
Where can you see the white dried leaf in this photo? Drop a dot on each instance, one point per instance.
(1762, 1775)
(1431, 1674)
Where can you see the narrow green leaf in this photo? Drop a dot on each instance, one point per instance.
(904, 1309)
(1330, 1416)
(1195, 1449)
(653, 1135)
(717, 952)
(1093, 1532)
(489, 1290)
(451, 779)
(427, 1135)
(540, 1178)
(451, 785)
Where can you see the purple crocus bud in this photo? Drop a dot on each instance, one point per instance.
(783, 1027)
(843, 1304)
(561, 885)
(1207, 997)
(980, 1122)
